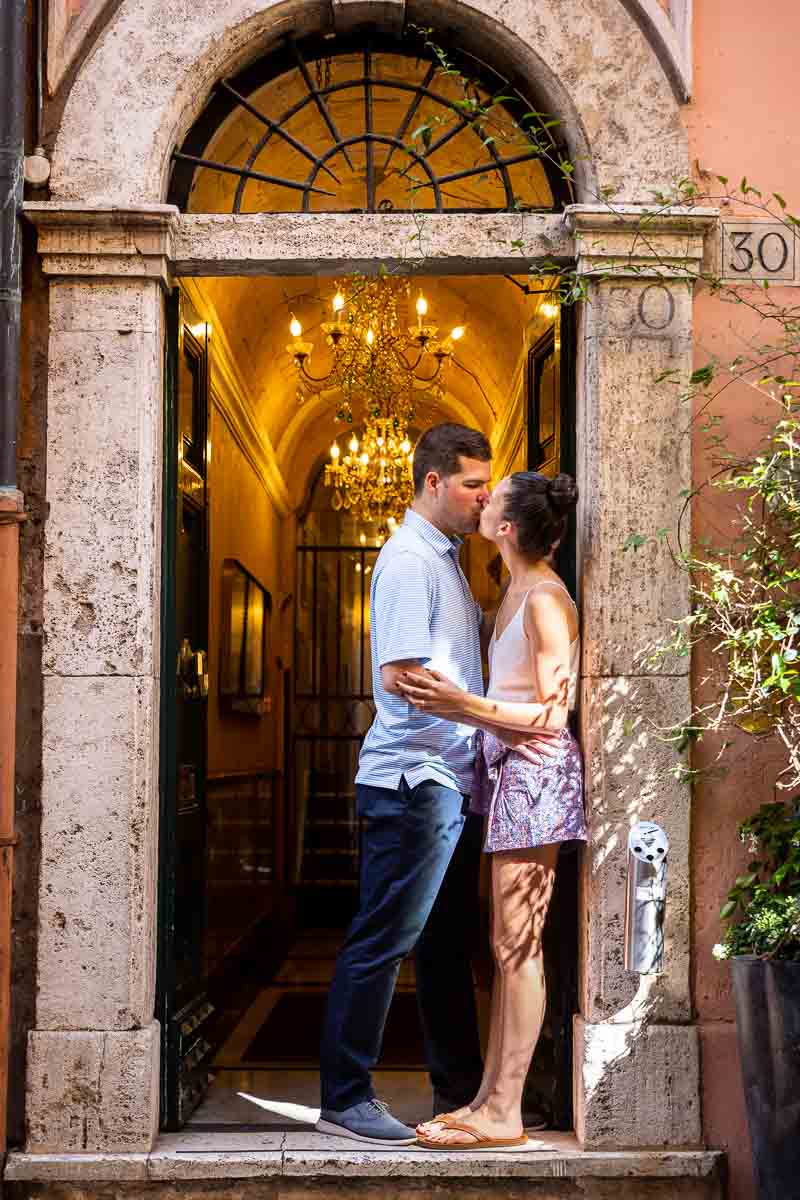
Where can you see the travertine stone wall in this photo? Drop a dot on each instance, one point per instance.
(589, 61)
(94, 1056)
(637, 1070)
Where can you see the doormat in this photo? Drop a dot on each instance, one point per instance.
(291, 1033)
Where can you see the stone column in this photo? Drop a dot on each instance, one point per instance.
(636, 1050)
(93, 1058)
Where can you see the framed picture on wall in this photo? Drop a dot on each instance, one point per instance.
(246, 606)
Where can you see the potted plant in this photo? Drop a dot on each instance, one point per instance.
(745, 618)
(762, 941)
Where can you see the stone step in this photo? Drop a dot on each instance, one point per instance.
(294, 1166)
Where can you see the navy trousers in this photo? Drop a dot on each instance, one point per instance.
(420, 859)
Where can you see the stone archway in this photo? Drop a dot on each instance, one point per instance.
(109, 247)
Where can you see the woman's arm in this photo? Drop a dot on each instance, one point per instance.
(547, 630)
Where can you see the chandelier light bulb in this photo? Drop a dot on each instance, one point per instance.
(457, 333)
(335, 450)
(352, 445)
(405, 446)
(363, 539)
(295, 328)
(365, 458)
(370, 337)
(338, 303)
(422, 305)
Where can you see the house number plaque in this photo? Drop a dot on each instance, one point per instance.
(757, 250)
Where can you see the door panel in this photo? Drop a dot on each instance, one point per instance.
(183, 1006)
(551, 448)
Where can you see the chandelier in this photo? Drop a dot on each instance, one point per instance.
(380, 369)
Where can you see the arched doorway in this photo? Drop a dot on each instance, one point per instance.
(110, 245)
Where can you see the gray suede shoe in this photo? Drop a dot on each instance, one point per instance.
(369, 1121)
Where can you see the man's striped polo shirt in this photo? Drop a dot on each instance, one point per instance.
(421, 608)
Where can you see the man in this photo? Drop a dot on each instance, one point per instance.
(412, 786)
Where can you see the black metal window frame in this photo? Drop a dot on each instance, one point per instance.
(366, 557)
(230, 94)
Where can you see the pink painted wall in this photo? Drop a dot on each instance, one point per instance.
(741, 121)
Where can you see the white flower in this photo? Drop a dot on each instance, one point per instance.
(719, 952)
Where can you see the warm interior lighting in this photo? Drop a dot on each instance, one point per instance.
(457, 333)
(378, 366)
(363, 539)
(295, 328)
(335, 452)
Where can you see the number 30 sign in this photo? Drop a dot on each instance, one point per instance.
(757, 250)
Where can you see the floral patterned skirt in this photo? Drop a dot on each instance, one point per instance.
(528, 804)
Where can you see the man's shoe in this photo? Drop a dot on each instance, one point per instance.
(369, 1121)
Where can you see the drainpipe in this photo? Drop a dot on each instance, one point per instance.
(13, 85)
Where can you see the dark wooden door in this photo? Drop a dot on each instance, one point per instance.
(184, 1008)
(551, 448)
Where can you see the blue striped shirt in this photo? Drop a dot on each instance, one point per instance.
(421, 608)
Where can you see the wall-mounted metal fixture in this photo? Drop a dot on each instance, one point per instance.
(645, 899)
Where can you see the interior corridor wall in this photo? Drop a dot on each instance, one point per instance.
(245, 525)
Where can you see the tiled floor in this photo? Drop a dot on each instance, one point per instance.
(290, 1097)
(260, 1123)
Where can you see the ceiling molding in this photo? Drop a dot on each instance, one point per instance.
(233, 399)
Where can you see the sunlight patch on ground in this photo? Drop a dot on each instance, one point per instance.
(294, 1112)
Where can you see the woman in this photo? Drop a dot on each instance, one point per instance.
(531, 796)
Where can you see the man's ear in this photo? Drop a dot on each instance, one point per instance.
(432, 481)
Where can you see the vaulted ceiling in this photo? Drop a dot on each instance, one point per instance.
(250, 325)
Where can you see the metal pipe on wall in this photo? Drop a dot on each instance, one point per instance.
(13, 90)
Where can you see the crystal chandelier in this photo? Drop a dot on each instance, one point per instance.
(380, 371)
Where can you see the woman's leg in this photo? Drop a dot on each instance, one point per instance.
(522, 884)
(490, 1061)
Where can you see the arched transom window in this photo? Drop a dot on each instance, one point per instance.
(373, 125)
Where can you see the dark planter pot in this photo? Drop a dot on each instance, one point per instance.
(768, 1019)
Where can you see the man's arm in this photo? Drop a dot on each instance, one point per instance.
(401, 619)
(391, 672)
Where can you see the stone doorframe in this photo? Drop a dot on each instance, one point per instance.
(93, 1063)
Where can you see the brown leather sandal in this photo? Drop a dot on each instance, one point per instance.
(481, 1142)
(439, 1119)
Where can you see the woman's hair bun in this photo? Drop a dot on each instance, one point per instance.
(562, 492)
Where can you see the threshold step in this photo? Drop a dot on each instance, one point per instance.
(281, 1166)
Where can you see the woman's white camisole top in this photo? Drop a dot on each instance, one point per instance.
(510, 676)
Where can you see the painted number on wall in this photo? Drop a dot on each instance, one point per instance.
(757, 250)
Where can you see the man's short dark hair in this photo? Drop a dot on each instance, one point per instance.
(440, 448)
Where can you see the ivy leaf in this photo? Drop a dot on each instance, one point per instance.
(702, 375)
(728, 909)
(634, 541)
